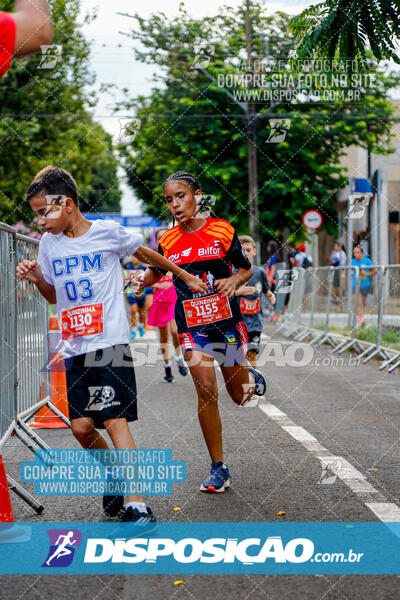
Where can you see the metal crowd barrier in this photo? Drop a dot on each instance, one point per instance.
(8, 330)
(330, 297)
(24, 352)
(390, 308)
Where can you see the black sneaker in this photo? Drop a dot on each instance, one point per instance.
(134, 524)
(168, 377)
(138, 523)
(112, 505)
(183, 370)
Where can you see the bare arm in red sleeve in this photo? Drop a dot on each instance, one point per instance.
(23, 31)
(33, 26)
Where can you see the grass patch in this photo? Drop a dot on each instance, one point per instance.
(390, 336)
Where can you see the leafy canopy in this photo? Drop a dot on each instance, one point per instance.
(345, 28)
(45, 118)
(188, 122)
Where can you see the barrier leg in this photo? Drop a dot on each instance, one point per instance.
(281, 327)
(325, 340)
(347, 346)
(25, 495)
(393, 367)
(29, 443)
(59, 414)
(366, 352)
(301, 336)
(339, 346)
(368, 358)
(291, 331)
(389, 361)
(317, 337)
(385, 354)
(32, 435)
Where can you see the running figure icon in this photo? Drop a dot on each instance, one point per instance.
(62, 542)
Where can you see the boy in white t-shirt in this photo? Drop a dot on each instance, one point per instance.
(78, 268)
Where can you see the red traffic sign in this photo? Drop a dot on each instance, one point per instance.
(312, 219)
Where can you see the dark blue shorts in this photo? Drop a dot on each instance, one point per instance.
(138, 301)
(228, 346)
(364, 291)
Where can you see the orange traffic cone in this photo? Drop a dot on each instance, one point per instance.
(6, 511)
(45, 418)
(9, 531)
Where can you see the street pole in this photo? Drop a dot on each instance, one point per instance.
(313, 246)
(252, 141)
(349, 254)
(377, 182)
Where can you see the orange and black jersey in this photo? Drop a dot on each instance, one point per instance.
(209, 253)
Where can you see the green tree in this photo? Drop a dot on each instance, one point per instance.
(45, 118)
(188, 122)
(345, 27)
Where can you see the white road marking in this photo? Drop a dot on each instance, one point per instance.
(385, 511)
(299, 433)
(272, 411)
(351, 477)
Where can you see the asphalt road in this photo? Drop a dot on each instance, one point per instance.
(353, 412)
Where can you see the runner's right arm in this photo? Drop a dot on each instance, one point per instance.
(163, 265)
(151, 277)
(31, 271)
(33, 26)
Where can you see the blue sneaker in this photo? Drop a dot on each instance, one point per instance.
(133, 334)
(141, 330)
(261, 384)
(219, 479)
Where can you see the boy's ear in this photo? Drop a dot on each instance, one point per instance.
(69, 203)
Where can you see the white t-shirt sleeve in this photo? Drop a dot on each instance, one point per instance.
(128, 243)
(44, 262)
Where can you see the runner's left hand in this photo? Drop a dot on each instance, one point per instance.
(195, 283)
(271, 297)
(136, 282)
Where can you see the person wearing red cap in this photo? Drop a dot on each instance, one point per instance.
(302, 259)
(23, 31)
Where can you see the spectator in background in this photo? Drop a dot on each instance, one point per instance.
(291, 255)
(291, 263)
(337, 258)
(162, 315)
(137, 305)
(302, 259)
(364, 264)
(272, 263)
(23, 31)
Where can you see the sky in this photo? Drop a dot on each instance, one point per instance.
(112, 57)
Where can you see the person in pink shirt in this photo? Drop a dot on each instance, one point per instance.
(162, 315)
